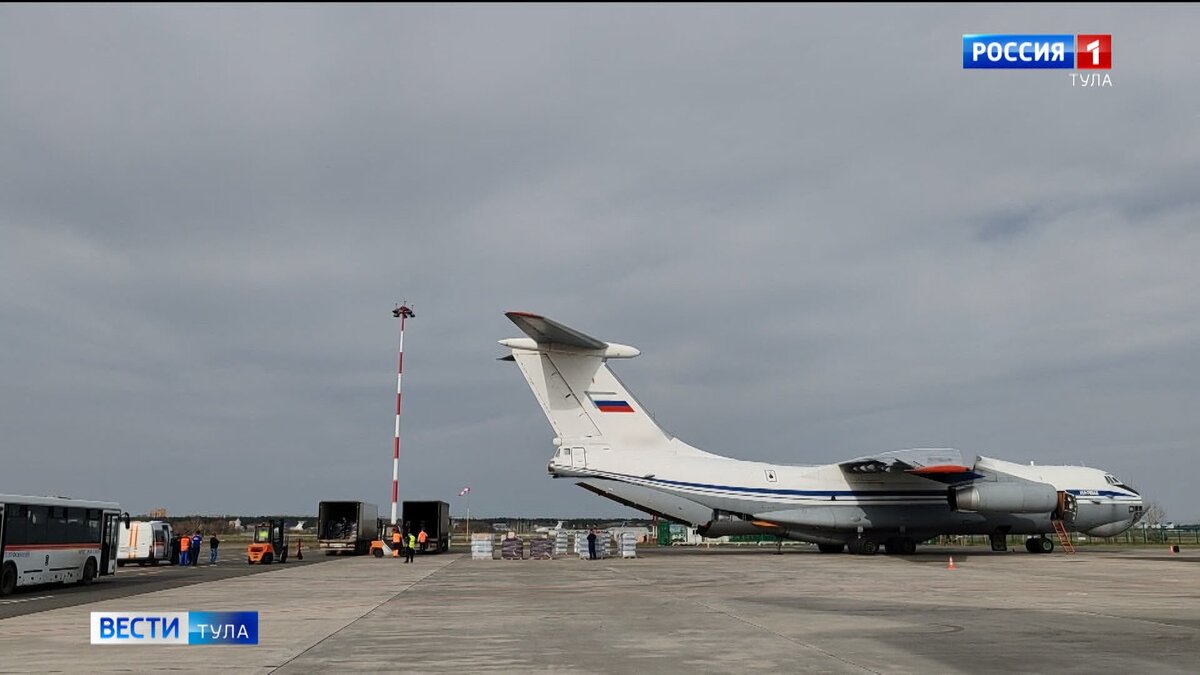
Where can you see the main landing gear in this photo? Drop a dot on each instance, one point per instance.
(863, 546)
(1039, 545)
(901, 546)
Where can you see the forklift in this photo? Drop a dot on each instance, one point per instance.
(270, 542)
(383, 546)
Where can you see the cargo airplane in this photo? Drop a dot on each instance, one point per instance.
(611, 446)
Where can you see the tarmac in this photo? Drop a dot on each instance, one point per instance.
(669, 611)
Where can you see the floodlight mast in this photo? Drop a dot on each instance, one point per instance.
(401, 312)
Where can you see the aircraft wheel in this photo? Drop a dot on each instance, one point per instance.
(8, 579)
(831, 548)
(1045, 545)
(1029, 545)
(869, 547)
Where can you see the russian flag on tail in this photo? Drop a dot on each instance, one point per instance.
(607, 401)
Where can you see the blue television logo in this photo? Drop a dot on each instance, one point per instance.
(1018, 51)
(175, 628)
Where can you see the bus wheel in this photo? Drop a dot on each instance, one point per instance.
(8, 579)
(89, 571)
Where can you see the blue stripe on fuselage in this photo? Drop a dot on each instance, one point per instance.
(782, 491)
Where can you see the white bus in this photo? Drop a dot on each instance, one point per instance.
(50, 539)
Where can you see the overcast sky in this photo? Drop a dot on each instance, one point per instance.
(827, 238)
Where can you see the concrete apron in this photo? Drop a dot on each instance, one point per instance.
(297, 608)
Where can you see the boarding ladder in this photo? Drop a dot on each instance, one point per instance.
(1064, 539)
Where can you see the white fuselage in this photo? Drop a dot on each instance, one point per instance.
(724, 484)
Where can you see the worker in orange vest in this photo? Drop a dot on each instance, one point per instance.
(185, 543)
(422, 538)
(396, 546)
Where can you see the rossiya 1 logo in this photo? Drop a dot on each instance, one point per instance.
(1082, 51)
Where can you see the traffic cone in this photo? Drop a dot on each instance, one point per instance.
(951, 565)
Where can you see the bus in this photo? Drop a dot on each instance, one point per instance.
(47, 540)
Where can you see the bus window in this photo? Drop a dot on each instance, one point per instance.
(35, 532)
(16, 525)
(56, 524)
(93, 525)
(77, 531)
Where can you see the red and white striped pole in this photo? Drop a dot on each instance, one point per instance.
(401, 312)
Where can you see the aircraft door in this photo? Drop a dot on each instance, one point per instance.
(1068, 507)
(578, 459)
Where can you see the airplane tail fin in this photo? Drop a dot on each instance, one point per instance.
(583, 400)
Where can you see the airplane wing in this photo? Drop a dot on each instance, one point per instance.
(548, 331)
(939, 464)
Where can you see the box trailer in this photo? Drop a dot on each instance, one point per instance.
(434, 517)
(347, 527)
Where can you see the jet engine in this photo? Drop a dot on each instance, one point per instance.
(1022, 497)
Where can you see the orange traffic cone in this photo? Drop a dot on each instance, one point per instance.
(951, 565)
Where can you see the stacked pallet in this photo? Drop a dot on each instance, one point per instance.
(628, 545)
(581, 544)
(561, 543)
(512, 548)
(541, 548)
(481, 547)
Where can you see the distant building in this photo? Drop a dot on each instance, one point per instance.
(158, 514)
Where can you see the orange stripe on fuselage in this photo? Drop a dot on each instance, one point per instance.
(941, 468)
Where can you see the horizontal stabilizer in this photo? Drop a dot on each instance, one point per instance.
(549, 332)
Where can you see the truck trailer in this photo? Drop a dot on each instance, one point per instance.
(347, 527)
(435, 518)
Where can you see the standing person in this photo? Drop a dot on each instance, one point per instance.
(197, 539)
(397, 544)
(592, 544)
(184, 544)
(422, 538)
(412, 544)
(212, 549)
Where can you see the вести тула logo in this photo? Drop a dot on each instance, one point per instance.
(175, 628)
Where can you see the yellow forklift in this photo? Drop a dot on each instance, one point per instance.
(270, 544)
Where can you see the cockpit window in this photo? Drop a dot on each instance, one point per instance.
(1112, 480)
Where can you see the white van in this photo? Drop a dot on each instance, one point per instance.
(144, 542)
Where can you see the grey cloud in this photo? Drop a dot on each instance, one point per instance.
(827, 238)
